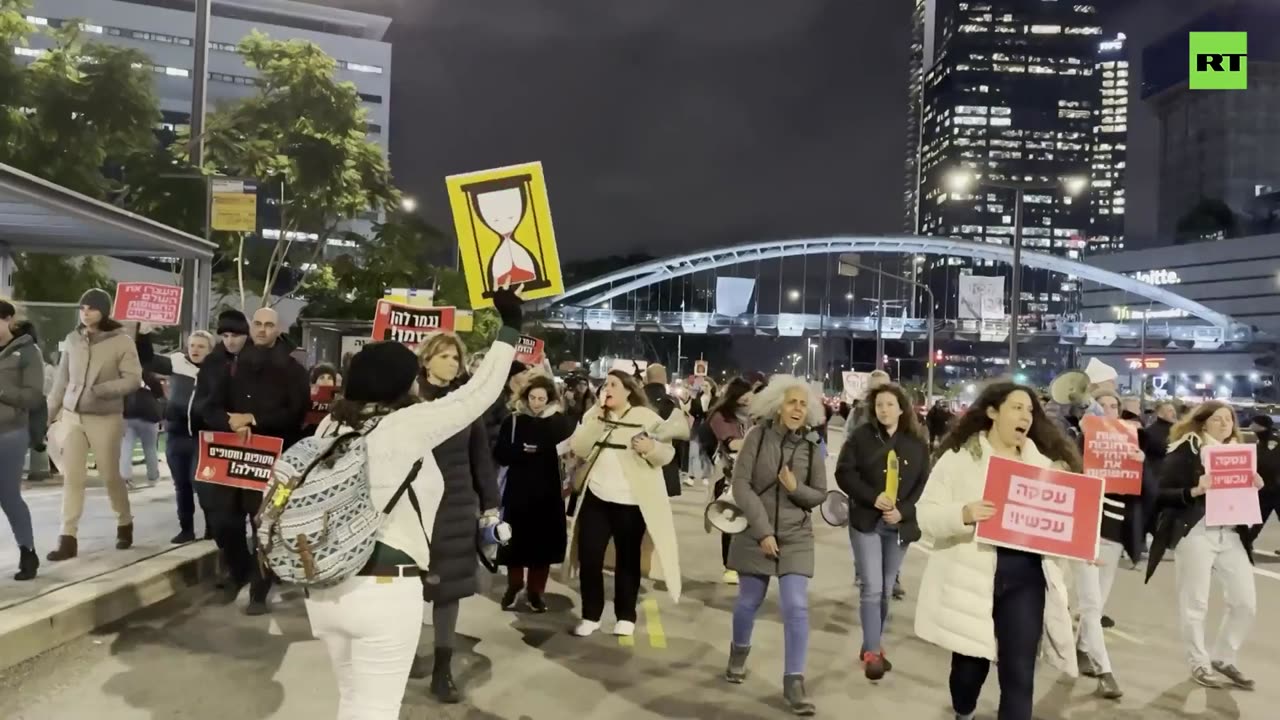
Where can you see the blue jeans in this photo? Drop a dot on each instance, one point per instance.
(13, 452)
(795, 616)
(148, 433)
(877, 558)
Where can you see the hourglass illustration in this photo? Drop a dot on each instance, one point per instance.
(502, 205)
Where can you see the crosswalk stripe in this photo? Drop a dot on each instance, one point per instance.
(653, 624)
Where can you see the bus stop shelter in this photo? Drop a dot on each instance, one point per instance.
(41, 217)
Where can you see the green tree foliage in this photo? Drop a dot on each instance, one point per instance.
(396, 255)
(303, 132)
(58, 278)
(78, 108)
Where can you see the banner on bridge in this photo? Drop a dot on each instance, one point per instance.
(733, 295)
(981, 297)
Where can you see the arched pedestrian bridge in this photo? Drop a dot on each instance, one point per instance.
(580, 306)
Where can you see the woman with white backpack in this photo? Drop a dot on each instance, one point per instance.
(370, 622)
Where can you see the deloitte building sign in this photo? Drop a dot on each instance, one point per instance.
(1157, 277)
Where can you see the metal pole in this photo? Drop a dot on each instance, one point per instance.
(1015, 300)
(929, 364)
(679, 351)
(582, 339)
(879, 316)
(195, 273)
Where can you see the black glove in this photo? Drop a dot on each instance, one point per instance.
(507, 303)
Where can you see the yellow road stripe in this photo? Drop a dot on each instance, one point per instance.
(626, 641)
(1124, 636)
(653, 624)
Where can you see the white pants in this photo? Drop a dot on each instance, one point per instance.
(1093, 587)
(1203, 555)
(370, 627)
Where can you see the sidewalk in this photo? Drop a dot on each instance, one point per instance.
(102, 585)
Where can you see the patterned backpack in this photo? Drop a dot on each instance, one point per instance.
(318, 524)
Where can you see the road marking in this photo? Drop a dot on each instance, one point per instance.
(653, 624)
(1124, 636)
(626, 641)
(1267, 573)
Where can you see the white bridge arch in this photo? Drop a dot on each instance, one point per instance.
(639, 276)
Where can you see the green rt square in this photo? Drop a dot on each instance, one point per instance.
(1218, 61)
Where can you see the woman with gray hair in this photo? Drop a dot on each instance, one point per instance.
(779, 477)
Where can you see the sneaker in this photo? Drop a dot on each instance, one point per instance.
(586, 628)
(256, 608)
(888, 666)
(687, 481)
(536, 603)
(1232, 673)
(509, 598)
(624, 628)
(1107, 622)
(1206, 677)
(184, 537)
(873, 665)
(898, 592)
(730, 577)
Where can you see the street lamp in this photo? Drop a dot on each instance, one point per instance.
(408, 203)
(961, 180)
(793, 295)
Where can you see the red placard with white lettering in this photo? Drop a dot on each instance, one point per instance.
(227, 460)
(410, 324)
(1108, 443)
(529, 350)
(147, 302)
(1040, 510)
(1232, 498)
(321, 404)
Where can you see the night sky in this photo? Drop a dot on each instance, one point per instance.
(663, 125)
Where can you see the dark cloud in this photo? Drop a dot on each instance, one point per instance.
(664, 125)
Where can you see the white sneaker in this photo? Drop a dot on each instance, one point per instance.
(624, 628)
(586, 628)
(687, 481)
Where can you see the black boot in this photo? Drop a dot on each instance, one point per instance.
(442, 686)
(796, 697)
(28, 563)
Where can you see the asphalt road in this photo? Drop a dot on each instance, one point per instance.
(195, 660)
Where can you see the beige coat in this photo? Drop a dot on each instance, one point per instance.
(647, 486)
(957, 592)
(95, 374)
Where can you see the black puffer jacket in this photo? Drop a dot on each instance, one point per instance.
(861, 473)
(470, 487)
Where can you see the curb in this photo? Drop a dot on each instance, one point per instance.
(47, 621)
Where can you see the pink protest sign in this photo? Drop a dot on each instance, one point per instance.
(1232, 498)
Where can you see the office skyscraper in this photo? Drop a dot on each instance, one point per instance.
(1107, 157)
(1009, 92)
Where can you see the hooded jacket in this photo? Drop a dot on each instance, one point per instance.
(769, 508)
(21, 383)
(957, 592)
(532, 499)
(97, 370)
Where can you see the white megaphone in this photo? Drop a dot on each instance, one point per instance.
(724, 515)
(1070, 388)
(835, 509)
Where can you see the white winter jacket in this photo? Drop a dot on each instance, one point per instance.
(956, 594)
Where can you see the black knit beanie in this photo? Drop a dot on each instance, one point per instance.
(382, 372)
(97, 299)
(234, 322)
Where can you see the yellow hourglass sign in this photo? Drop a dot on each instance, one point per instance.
(503, 221)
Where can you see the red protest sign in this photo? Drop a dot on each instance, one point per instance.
(529, 350)
(1232, 498)
(1108, 445)
(321, 403)
(148, 303)
(227, 460)
(409, 324)
(1041, 510)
